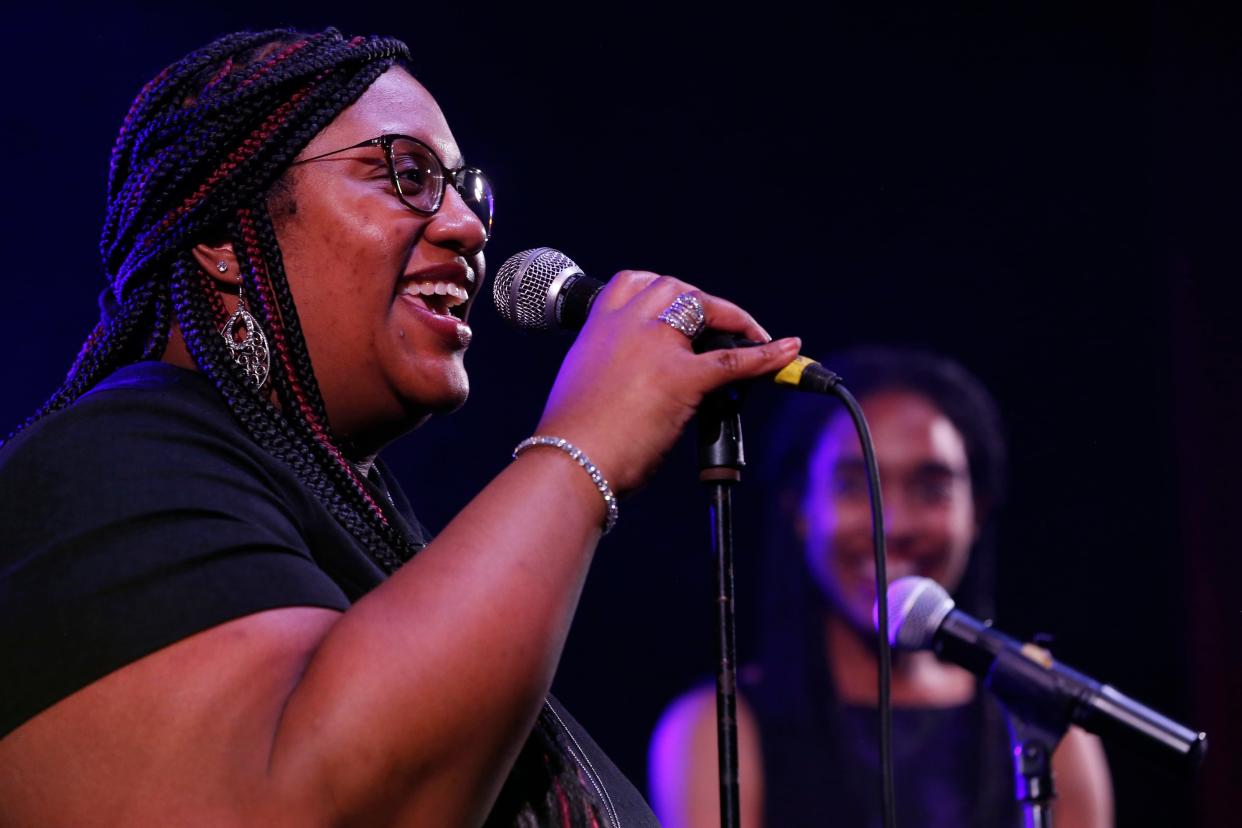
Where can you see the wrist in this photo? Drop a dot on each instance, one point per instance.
(576, 455)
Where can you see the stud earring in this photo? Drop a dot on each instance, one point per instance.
(222, 266)
(245, 340)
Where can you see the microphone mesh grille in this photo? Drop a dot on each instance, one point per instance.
(916, 609)
(533, 272)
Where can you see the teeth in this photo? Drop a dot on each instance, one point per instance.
(454, 295)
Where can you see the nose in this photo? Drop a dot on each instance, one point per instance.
(899, 523)
(456, 226)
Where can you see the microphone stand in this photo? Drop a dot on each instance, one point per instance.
(1032, 771)
(721, 459)
(1038, 719)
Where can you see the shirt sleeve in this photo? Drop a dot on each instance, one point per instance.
(135, 520)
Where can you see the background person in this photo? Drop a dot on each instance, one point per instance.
(807, 711)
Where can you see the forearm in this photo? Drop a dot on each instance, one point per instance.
(432, 681)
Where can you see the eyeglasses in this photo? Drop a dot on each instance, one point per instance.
(419, 177)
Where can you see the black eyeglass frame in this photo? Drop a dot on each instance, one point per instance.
(456, 175)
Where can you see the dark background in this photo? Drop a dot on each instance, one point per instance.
(1045, 191)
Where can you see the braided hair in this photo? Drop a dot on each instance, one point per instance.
(202, 148)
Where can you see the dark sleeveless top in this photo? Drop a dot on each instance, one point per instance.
(821, 762)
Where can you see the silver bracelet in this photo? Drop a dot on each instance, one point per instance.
(597, 477)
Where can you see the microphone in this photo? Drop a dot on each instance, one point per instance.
(1026, 679)
(543, 290)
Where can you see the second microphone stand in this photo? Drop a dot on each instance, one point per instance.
(721, 459)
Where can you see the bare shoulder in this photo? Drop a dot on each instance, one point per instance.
(1082, 782)
(182, 735)
(686, 721)
(687, 729)
(684, 783)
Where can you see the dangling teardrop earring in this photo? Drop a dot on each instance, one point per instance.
(245, 339)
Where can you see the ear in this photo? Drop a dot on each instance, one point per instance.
(219, 262)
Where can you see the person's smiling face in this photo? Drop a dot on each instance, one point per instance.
(363, 268)
(929, 512)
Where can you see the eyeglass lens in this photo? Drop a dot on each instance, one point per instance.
(420, 181)
(476, 191)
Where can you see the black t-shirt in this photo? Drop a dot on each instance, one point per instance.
(143, 514)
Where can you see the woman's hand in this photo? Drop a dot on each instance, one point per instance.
(631, 382)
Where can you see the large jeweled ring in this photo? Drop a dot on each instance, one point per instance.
(686, 315)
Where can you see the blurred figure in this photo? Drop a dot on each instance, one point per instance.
(808, 720)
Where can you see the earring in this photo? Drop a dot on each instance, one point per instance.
(245, 340)
(222, 266)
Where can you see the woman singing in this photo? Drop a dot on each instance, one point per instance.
(216, 606)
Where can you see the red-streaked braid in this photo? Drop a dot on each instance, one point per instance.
(269, 311)
(254, 142)
(562, 803)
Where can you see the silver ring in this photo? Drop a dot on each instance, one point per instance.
(685, 315)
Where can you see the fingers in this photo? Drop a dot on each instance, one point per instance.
(644, 295)
(732, 364)
(647, 295)
(623, 287)
(723, 315)
(655, 380)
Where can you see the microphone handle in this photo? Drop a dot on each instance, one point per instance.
(1113, 714)
(570, 297)
(573, 301)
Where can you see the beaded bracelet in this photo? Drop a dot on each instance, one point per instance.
(597, 477)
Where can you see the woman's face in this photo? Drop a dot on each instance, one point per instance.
(385, 356)
(929, 512)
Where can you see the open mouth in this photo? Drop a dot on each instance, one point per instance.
(441, 298)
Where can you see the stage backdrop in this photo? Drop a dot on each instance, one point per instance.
(1042, 192)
